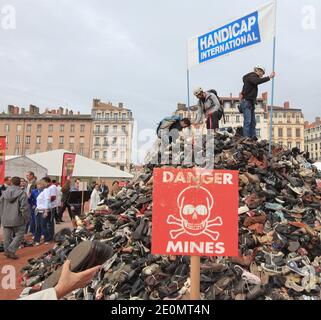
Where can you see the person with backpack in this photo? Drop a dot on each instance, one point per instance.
(251, 81)
(210, 109)
(171, 126)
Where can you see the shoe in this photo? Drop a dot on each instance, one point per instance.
(37, 244)
(11, 255)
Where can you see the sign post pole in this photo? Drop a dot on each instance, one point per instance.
(195, 278)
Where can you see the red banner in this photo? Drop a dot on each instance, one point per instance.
(195, 212)
(68, 164)
(2, 159)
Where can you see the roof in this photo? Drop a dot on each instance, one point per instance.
(47, 116)
(84, 167)
(11, 158)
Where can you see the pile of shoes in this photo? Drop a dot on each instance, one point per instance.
(279, 235)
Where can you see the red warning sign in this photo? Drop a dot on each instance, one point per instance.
(195, 212)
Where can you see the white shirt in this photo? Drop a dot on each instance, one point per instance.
(53, 191)
(43, 200)
(94, 199)
(59, 196)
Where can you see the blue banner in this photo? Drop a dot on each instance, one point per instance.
(239, 34)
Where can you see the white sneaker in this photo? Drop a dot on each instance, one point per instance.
(37, 244)
(46, 242)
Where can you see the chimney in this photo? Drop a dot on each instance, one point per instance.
(16, 110)
(71, 112)
(66, 111)
(120, 105)
(265, 96)
(96, 103)
(61, 111)
(78, 113)
(10, 109)
(286, 105)
(231, 95)
(318, 120)
(23, 111)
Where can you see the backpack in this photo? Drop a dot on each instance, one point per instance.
(166, 123)
(221, 110)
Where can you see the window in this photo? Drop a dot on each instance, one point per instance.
(96, 154)
(106, 129)
(61, 140)
(280, 132)
(122, 156)
(82, 128)
(82, 140)
(29, 126)
(258, 119)
(114, 129)
(7, 141)
(50, 128)
(123, 116)
(107, 116)
(237, 119)
(39, 127)
(19, 127)
(105, 141)
(97, 141)
(258, 133)
(62, 128)
(98, 115)
(97, 129)
(298, 132)
(114, 141)
(17, 139)
(316, 147)
(7, 128)
(227, 118)
(81, 151)
(289, 132)
(114, 155)
(289, 145)
(72, 128)
(116, 116)
(123, 129)
(123, 141)
(38, 140)
(27, 139)
(50, 139)
(105, 154)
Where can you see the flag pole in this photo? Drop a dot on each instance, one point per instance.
(273, 83)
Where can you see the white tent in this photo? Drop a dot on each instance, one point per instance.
(84, 167)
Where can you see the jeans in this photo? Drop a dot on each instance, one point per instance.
(62, 210)
(249, 126)
(53, 213)
(31, 226)
(13, 237)
(47, 226)
(212, 121)
(40, 228)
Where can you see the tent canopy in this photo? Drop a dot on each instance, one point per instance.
(84, 167)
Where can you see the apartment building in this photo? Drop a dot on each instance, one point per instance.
(312, 138)
(287, 126)
(112, 134)
(29, 131)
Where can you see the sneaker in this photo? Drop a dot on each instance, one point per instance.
(37, 244)
(46, 242)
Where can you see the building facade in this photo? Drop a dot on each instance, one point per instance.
(287, 126)
(29, 132)
(112, 134)
(312, 139)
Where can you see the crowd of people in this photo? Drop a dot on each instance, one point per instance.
(32, 206)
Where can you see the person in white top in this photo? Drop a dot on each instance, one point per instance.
(43, 214)
(54, 203)
(95, 197)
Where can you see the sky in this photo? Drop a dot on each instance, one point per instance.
(67, 52)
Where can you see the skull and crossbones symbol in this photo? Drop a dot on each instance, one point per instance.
(195, 204)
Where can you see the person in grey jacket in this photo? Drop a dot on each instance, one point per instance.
(14, 216)
(208, 108)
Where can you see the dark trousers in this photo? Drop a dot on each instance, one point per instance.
(212, 121)
(249, 126)
(13, 237)
(62, 210)
(31, 226)
(40, 228)
(47, 226)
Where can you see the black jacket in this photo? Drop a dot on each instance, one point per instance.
(250, 87)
